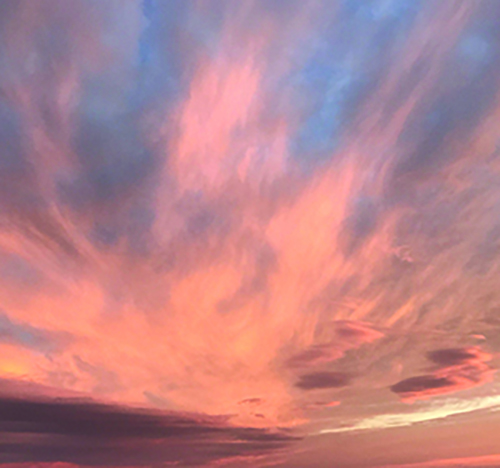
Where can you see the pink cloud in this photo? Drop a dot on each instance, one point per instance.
(336, 339)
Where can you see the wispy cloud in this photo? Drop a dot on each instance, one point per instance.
(431, 412)
(234, 207)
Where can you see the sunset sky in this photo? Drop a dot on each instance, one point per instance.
(249, 233)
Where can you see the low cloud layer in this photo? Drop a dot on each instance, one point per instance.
(83, 432)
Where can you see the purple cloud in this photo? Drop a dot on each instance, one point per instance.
(323, 380)
(458, 369)
(90, 433)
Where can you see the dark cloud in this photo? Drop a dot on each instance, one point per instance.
(421, 384)
(458, 369)
(323, 380)
(452, 356)
(89, 433)
(113, 161)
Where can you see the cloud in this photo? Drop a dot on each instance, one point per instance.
(457, 356)
(321, 405)
(323, 380)
(450, 114)
(25, 335)
(458, 369)
(203, 191)
(436, 411)
(250, 401)
(356, 332)
(422, 383)
(84, 432)
(336, 338)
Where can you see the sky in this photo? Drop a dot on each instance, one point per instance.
(253, 233)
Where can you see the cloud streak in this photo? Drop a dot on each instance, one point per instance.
(433, 412)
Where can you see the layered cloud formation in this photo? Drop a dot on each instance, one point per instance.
(85, 433)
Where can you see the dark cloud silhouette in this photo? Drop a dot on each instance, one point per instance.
(452, 356)
(90, 433)
(421, 384)
(458, 369)
(323, 380)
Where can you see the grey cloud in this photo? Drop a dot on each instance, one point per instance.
(457, 369)
(323, 380)
(457, 103)
(89, 433)
(421, 384)
(452, 356)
